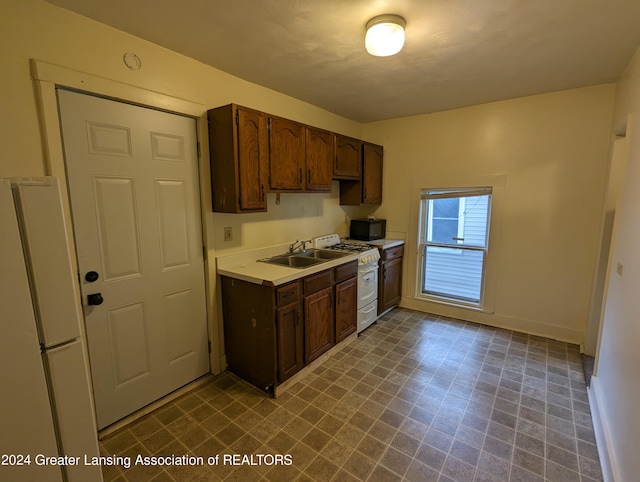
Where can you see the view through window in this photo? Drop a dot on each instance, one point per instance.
(454, 242)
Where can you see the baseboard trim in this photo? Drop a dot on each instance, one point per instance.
(522, 325)
(604, 439)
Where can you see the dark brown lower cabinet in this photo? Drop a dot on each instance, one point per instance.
(346, 308)
(290, 334)
(271, 333)
(250, 331)
(319, 334)
(390, 278)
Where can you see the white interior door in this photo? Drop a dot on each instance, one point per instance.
(133, 181)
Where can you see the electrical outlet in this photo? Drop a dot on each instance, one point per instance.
(619, 269)
(228, 233)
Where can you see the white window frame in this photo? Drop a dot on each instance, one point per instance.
(424, 230)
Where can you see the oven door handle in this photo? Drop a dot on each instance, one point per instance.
(373, 307)
(369, 274)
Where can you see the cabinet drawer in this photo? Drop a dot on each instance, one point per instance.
(392, 253)
(316, 282)
(288, 294)
(346, 271)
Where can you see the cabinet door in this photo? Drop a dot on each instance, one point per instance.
(319, 333)
(390, 284)
(286, 154)
(346, 308)
(252, 159)
(319, 159)
(348, 158)
(290, 340)
(372, 174)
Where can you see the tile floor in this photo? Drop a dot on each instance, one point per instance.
(416, 397)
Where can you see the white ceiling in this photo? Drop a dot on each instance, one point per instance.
(457, 52)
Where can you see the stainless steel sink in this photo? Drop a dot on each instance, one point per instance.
(322, 253)
(304, 259)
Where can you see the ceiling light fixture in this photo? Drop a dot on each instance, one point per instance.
(385, 35)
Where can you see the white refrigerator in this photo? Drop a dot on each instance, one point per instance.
(46, 406)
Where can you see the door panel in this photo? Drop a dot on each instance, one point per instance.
(129, 348)
(165, 147)
(173, 230)
(117, 218)
(180, 342)
(109, 140)
(133, 182)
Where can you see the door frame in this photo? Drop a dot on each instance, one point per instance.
(47, 78)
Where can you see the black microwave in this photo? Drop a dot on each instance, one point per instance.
(368, 229)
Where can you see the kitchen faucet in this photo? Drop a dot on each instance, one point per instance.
(299, 244)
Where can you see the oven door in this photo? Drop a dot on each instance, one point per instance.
(367, 284)
(367, 316)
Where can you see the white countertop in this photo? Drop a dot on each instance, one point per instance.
(245, 266)
(385, 243)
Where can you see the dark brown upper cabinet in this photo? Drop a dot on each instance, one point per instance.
(372, 174)
(368, 188)
(253, 153)
(319, 159)
(286, 155)
(300, 157)
(348, 159)
(239, 159)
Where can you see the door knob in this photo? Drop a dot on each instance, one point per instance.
(91, 276)
(95, 299)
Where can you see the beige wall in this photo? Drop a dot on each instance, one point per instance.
(33, 29)
(616, 385)
(549, 152)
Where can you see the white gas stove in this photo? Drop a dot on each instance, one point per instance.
(367, 253)
(367, 274)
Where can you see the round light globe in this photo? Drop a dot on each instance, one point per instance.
(385, 35)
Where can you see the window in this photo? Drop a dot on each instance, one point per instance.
(453, 245)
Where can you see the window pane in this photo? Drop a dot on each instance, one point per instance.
(474, 219)
(453, 273)
(444, 230)
(446, 208)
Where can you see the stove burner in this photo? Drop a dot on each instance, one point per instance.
(353, 247)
